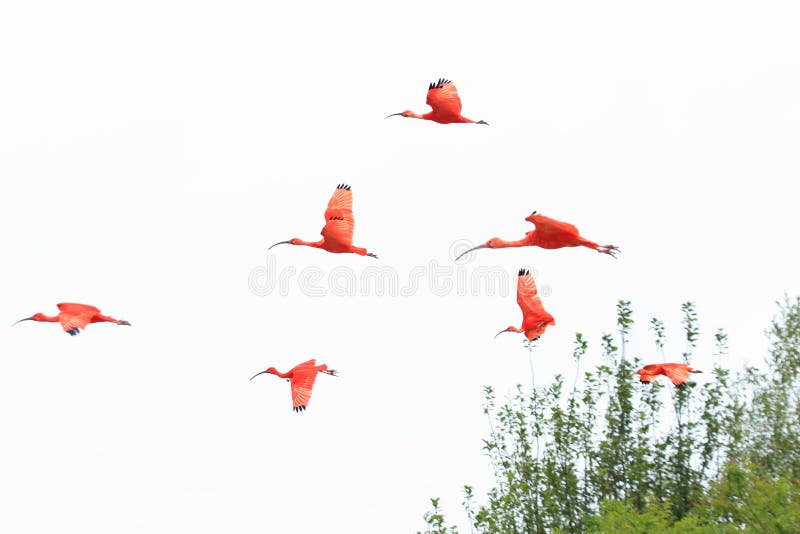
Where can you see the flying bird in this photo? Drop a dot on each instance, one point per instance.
(549, 233)
(678, 373)
(534, 317)
(443, 98)
(337, 234)
(74, 317)
(302, 377)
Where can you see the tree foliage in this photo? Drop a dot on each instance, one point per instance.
(597, 457)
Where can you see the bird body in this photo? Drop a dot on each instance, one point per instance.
(550, 234)
(337, 234)
(534, 317)
(445, 105)
(301, 377)
(678, 373)
(74, 317)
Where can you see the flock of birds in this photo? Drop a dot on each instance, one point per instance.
(337, 237)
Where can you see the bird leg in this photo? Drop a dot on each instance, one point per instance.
(611, 250)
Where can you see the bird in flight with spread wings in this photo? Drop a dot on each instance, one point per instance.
(534, 317)
(549, 233)
(74, 317)
(337, 234)
(445, 103)
(678, 373)
(301, 377)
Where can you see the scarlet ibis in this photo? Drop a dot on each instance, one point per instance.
(443, 98)
(534, 317)
(337, 234)
(549, 233)
(678, 373)
(74, 317)
(302, 377)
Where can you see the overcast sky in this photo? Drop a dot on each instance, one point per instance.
(152, 151)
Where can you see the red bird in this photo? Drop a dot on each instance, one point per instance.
(549, 233)
(337, 234)
(75, 317)
(443, 98)
(677, 372)
(302, 377)
(534, 318)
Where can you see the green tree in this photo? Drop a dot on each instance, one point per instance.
(595, 458)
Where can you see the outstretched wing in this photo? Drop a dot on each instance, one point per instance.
(303, 377)
(534, 316)
(339, 222)
(677, 372)
(74, 316)
(443, 98)
(545, 226)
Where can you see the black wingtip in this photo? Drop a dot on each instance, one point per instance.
(343, 186)
(524, 272)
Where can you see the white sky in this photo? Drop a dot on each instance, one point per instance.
(151, 152)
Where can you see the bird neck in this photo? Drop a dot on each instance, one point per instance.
(315, 244)
(42, 318)
(281, 375)
(496, 242)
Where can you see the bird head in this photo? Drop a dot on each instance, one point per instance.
(406, 113)
(485, 245)
(292, 241)
(530, 218)
(35, 317)
(271, 370)
(509, 329)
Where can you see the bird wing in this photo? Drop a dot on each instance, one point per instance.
(545, 226)
(650, 372)
(533, 312)
(303, 377)
(339, 222)
(677, 372)
(443, 98)
(75, 315)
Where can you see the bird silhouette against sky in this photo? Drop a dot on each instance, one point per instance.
(337, 234)
(74, 317)
(549, 233)
(678, 373)
(534, 317)
(302, 377)
(445, 103)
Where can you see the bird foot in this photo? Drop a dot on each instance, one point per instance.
(332, 372)
(371, 255)
(482, 122)
(611, 250)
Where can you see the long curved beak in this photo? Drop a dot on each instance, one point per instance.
(25, 319)
(392, 115)
(281, 243)
(255, 375)
(500, 332)
(470, 250)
